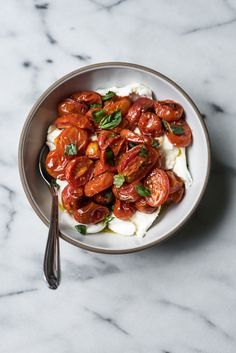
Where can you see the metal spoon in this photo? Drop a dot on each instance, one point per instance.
(51, 265)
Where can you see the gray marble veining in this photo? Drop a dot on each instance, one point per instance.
(176, 298)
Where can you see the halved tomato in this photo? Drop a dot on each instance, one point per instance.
(175, 182)
(123, 210)
(135, 138)
(79, 170)
(72, 136)
(71, 197)
(91, 213)
(180, 140)
(98, 184)
(142, 206)
(177, 196)
(121, 103)
(127, 192)
(55, 164)
(168, 110)
(149, 124)
(105, 197)
(77, 120)
(140, 106)
(157, 183)
(70, 106)
(88, 97)
(93, 150)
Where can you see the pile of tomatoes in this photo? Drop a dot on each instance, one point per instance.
(110, 167)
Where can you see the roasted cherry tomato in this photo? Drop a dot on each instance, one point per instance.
(177, 196)
(91, 213)
(55, 164)
(175, 182)
(100, 168)
(137, 162)
(123, 210)
(127, 192)
(72, 136)
(135, 138)
(71, 197)
(77, 120)
(121, 103)
(70, 106)
(98, 184)
(168, 110)
(157, 183)
(180, 140)
(142, 206)
(149, 124)
(140, 106)
(92, 150)
(79, 170)
(88, 97)
(105, 197)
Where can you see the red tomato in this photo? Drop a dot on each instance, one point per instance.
(177, 196)
(105, 138)
(183, 140)
(88, 97)
(137, 162)
(72, 135)
(140, 106)
(98, 184)
(142, 206)
(158, 184)
(79, 170)
(135, 138)
(175, 182)
(168, 110)
(105, 197)
(71, 197)
(123, 210)
(91, 213)
(121, 103)
(55, 164)
(92, 150)
(127, 192)
(77, 120)
(149, 124)
(70, 106)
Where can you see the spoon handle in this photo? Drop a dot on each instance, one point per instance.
(51, 266)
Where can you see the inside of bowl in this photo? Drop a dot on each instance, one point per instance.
(102, 77)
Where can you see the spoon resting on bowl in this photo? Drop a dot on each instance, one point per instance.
(51, 265)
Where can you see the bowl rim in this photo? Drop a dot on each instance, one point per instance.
(26, 126)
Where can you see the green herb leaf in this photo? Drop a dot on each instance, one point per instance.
(143, 152)
(110, 156)
(132, 144)
(108, 95)
(109, 196)
(142, 191)
(177, 129)
(155, 144)
(54, 184)
(98, 115)
(70, 150)
(166, 125)
(81, 229)
(98, 105)
(110, 121)
(108, 219)
(119, 180)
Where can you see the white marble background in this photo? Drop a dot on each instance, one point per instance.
(176, 298)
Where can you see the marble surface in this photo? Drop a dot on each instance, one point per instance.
(176, 298)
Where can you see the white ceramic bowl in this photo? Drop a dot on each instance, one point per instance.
(101, 76)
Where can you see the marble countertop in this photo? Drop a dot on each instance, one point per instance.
(176, 298)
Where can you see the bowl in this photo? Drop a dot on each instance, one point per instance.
(104, 75)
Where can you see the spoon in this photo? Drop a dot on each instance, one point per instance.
(51, 265)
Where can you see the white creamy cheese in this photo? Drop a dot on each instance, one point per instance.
(52, 133)
(121, 227)
(180, 168)
(143, 221)
(133, 88)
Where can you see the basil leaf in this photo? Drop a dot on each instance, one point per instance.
(98, 105)
(108, 95)
(108, 219)
(98, 115)
(70, 150)
(81, 229)
(143, 152)
(54, 184)
(166, 125)
(109, 196)
(177, 130)
(119, 180)
(155, 144)
(110, 156)
(142, 191)
(110, 121)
